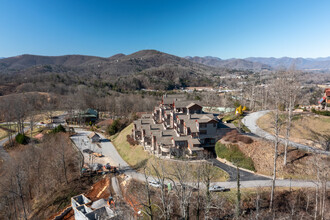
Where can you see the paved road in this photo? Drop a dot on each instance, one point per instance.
(248, 180)
(250, 121)
(3, 153)
(268, 183)
(244, 175)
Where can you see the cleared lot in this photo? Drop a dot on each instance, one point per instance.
(104, 147)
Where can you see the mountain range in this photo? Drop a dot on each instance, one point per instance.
(146, 69)
(151, 58)
(260, 63)
(230, 63)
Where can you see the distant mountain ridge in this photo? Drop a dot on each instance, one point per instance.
(145, 69)
(229, 64)
(298, 63)
(259, 63)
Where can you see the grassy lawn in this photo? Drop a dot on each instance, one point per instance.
(137, 158)
(302, 126)
(3, 134)
(237, 121)
(232, 153)
(12, 126)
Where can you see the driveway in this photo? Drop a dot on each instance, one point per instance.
(244, 175)
(106, 148)
(250, 121)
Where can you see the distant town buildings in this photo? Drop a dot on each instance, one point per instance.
(177, 128)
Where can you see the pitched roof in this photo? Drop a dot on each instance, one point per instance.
(91, 135)
(92, 112)
(192, 125)
(193, 104)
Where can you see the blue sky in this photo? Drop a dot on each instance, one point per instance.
(226, 29)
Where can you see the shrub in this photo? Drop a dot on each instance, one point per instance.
(59, 128)
(233, 136)
(131, 140)
(233, 154)
(116, 126)
(245, 139)
(325, 113)
(22, 139)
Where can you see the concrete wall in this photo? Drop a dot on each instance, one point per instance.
(79, 200)
(60, 216)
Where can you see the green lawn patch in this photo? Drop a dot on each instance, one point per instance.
(236, 120)
(325, 113)
(233, 154)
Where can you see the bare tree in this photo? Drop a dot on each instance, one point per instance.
(290, 88)
(180, 178)
(207, 174)
(148, 204)
(166, 206)
(276, 94)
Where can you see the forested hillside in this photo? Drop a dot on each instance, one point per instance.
(147, 69)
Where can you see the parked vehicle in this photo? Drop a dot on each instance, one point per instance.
(111, 169)
(154, 183)
(96, 167)
(216, 188)
(97, 154)
(88, 151)
(107, 166)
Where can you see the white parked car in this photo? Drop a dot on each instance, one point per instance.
(216, 188)
(154, 183)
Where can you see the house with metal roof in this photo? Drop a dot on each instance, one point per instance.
(88, 116)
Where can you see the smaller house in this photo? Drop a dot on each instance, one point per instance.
(85, 209)
(325, 100)
(88, 116)
(94, 137)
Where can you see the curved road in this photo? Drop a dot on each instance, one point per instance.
(3, 153)
(248, 180)
(250, 121)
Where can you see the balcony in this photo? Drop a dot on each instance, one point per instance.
(165, 149)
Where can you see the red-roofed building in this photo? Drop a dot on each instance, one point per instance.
(325, 100)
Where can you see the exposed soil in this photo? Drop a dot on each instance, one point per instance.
(103, 186)
(100, 189)
(305, 127)
(300, 163)
(105, 123)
